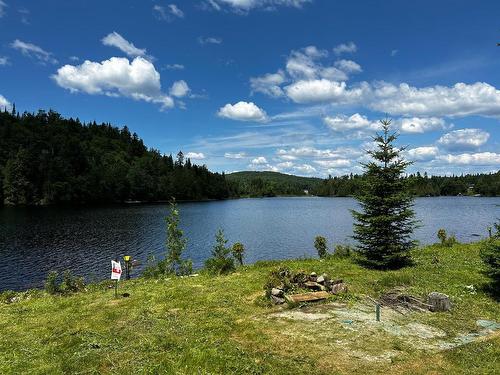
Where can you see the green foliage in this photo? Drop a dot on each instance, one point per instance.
(445, 240)
(490, 253)
(343, 251)
(238, 251)
(221, 262)
(321, 246)
(385, 224)
(51, 285)
(47, 159)
(172, 264)
(69, 283)
(270, 184)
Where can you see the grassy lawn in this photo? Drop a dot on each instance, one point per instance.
(203, 325)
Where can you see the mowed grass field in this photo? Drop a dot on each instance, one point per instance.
(222, 325)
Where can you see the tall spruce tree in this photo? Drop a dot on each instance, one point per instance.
(383, 229)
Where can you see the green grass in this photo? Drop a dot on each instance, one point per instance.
(204, 325)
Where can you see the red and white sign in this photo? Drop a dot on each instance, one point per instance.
(116, 270)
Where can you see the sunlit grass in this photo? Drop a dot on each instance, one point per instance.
(219, 325)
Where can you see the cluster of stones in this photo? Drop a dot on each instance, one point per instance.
(315, 283)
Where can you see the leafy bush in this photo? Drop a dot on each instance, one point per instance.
(321, 246)
(343, 251)
(238, 251)
(446, 241)
(221, 263)
(490, 253)
(51, 286)
(69, 283)
(441, 234)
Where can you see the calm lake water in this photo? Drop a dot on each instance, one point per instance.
(34, 241)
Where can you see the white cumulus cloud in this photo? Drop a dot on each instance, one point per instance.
(269, 84)
(179, 89)
(195, 155)
(259, 160)
(423, 153)
(345, 48)
(464, 139)
(348, 66)
(421, 124)
(243, 111)
(116, 40)
(117, 76)
(480, 159)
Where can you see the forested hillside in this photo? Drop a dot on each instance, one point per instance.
(269, 184)
(419, 185)
(47, 159)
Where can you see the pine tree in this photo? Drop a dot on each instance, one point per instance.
(176, 244)
(221, 261)
(383, 229)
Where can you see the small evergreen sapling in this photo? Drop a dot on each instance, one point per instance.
(238, 251)
(176, 244)
(384, 226)
(221, 262)
(321, 246)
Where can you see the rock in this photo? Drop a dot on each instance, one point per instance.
(321, 279)
(339, 288)
(278, 300)
(276, 292)
(313, 276)
(338, 281)
(438, 302)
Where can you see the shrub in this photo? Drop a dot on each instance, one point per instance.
(221, 263)
(321, 247)
(447, 241)
(238, 251)
(490, 253)
(343, 251)
(441, 234)
(69, 283)
(51, 286)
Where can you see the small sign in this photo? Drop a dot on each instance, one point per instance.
(116, 270)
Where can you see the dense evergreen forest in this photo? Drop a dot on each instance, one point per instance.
(274, 183)
(270, 184)
(46, 159)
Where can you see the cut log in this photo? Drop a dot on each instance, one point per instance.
(313, 285)
(438, 302)
(307, 297)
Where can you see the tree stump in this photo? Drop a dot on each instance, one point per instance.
(438, 302)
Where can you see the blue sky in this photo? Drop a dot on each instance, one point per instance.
(295, 86)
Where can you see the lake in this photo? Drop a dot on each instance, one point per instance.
(34, 241)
